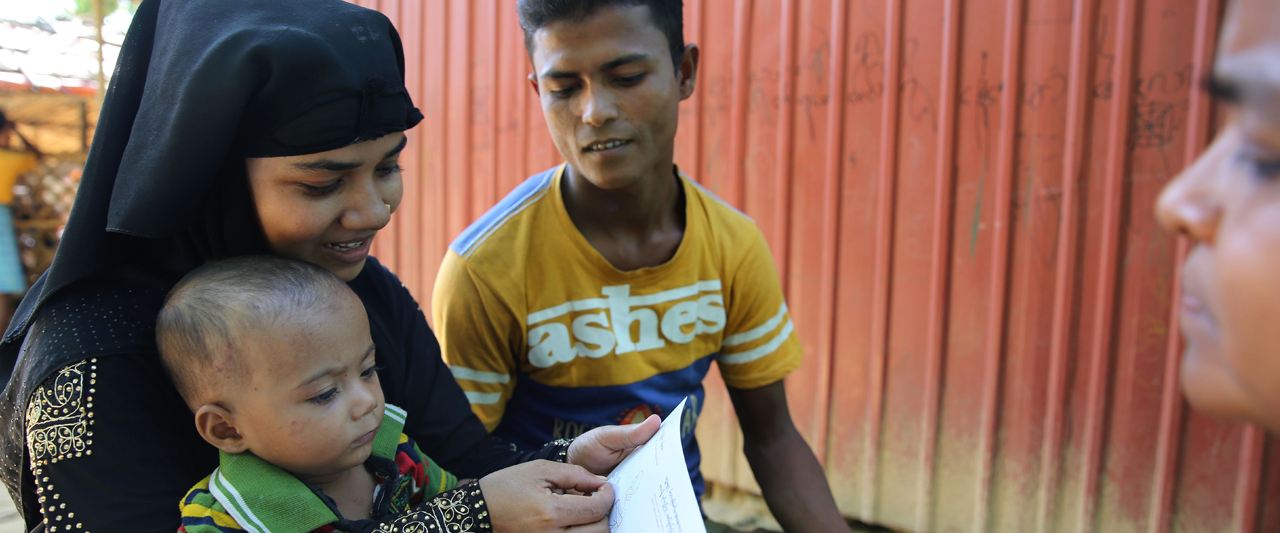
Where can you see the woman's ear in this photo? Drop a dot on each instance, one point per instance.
(217, 425)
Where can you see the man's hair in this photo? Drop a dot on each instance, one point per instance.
(667, 15)
(203, 316)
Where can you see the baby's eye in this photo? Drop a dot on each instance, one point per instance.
(370, 372)
(325, 397)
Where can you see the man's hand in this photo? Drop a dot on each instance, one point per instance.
(602, 448)
(543, 496)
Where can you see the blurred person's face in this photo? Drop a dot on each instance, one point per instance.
(1228, 203)
(610, 94)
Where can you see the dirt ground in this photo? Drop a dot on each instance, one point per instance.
(739, 512)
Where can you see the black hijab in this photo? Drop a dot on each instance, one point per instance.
(199, 86)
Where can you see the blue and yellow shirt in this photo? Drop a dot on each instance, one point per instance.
(549, 340)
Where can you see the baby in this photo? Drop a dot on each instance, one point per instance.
(275, 359)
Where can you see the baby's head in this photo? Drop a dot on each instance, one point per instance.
(274, 357)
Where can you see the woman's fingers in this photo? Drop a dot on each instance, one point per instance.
(598, 527)
(588, 509)
(602, 448)
(626, 438)
(642, 432)
(537, 497)
(566, 476)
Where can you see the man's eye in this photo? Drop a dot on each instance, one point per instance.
(630, 80)
(564, 93)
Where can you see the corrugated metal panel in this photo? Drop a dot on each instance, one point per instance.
(982, 294)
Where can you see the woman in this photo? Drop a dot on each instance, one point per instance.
(261, 126)
(13, 163)
(1228, 203)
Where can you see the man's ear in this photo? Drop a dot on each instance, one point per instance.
(687, 70)
(218, 426)
(533, 82)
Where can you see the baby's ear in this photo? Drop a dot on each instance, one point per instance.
(218, 426)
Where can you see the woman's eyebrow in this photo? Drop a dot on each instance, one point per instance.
(404, 141)
(1222, 89)
(325, 165)
(329, 165)
(1246, 77)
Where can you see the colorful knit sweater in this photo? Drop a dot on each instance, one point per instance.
(246, 493)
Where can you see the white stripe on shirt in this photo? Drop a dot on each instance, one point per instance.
(478, 376)
(756, 333)
(483, 398)
(760, 351)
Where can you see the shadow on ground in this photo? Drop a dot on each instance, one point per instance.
(733, 511)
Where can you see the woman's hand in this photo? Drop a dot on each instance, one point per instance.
(602, 448)
(544, 496)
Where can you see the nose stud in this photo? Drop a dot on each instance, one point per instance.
(388, 208)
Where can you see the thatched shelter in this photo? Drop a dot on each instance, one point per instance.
(49, 88)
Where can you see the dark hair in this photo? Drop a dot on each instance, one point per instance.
(205, 312)
(667, 15)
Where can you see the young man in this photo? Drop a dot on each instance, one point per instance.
(602, 290)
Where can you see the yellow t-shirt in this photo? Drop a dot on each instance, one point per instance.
(13, 164)
(549, 340)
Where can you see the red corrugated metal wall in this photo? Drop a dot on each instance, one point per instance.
(982, 293)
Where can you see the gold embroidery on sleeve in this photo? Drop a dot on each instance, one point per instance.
(461, 510)
(60, 415)
(59, 427)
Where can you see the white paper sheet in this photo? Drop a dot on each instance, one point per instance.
(651, 488)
